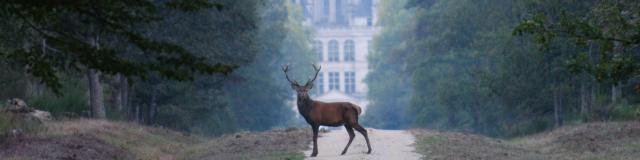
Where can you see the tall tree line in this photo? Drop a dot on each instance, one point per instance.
(503, 68)
(201, 66)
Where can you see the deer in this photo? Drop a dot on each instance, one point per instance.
(318, 113)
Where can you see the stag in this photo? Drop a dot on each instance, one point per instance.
(334, 114)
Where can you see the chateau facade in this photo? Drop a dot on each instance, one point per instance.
(342, 42)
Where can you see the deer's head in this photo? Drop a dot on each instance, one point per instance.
(302, 90)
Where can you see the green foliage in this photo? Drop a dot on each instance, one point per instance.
(156, 46)
(12, 82)
(469, 65)
(255, 96)
(262, 102)
(72, 104)
(60, 36)
(609, 26)
(626, 112)
(389, 89)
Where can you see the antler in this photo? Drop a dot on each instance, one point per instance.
(317, 69)
(285, 68)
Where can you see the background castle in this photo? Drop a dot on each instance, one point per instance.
(343, 40)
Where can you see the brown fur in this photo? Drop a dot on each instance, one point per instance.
(358, 109)
(334, 114)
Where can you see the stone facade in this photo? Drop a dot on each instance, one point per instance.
(343, 38)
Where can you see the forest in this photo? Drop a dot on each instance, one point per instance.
(415, 79)
(504, 68)
(194, 66)
(492, 67)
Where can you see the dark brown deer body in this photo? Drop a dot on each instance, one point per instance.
(334, 114)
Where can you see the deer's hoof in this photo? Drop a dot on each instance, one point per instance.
(369, 152)
(343, 153)
(314, 154)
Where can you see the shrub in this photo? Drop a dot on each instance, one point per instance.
(73, 102)
(626, 112)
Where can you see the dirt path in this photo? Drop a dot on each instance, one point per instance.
(386, 144)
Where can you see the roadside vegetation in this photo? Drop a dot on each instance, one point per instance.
(203, 67)
(99, 139)
(504, 68)
(603, 140)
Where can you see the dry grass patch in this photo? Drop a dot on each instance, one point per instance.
(274, 144)
(603, 140)
(438, 145)
(143, 142)
(97, 139)
(64, 147)
(597, 141)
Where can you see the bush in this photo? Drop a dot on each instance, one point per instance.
(72, 103)
(626, 112)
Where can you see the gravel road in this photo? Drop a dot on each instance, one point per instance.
(386, 144)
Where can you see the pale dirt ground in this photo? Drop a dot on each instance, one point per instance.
(385, 144)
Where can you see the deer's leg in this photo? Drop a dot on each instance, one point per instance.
(315, 129)
(351, 136)
(364, 133)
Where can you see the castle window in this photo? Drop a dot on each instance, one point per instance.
(349, 51)
(334, 81)
(317, 48)
(349, 82)
(333, 51)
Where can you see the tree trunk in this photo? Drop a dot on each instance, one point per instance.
(117, 94)
(35, 87)
(560, 108)
(135, 114)
(476, 121)
(595, 89)
(615, 87)
(614, 93)
(152, 108)
(120, 92)
(95, 94)
(557, 108)
(124, 91)
(584, 98)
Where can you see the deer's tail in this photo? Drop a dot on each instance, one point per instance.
(358, 109)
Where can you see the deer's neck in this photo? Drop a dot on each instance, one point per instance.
(304, 105)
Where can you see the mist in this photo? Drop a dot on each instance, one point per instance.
(501, 68)
(497, 68)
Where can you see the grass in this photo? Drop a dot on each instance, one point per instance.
(635, 147)
(163, 144)
(275, 144)
(286, 156)
(143, 142)
(9, 122)
(432, 140)
(595, 141)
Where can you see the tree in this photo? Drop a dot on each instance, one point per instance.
(388, 82)
(255, 95)
(59, 36)
(467, 72)
(262, 102)
(604, 33)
